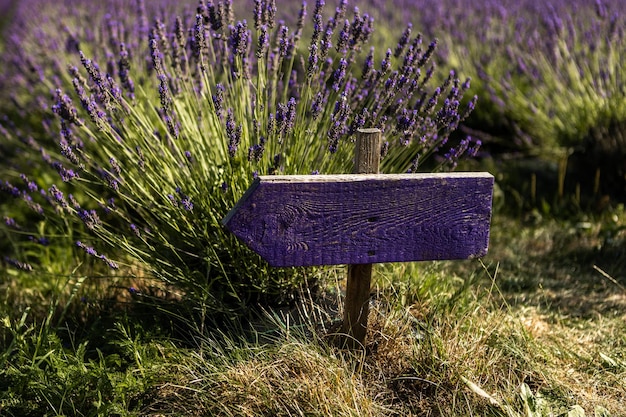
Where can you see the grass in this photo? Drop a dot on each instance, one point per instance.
(536, 328)
(538, 325)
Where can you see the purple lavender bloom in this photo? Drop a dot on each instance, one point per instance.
(239, 39)
(338, 127)
(300, 23)
(9, 221)
(215, 15)
(115, 167)
(65, 108)
(99, 81)
(89, 217)
(293, 81)
(45, 156)
(156, 55)
(92, 252)
(114, 89)
(386, 63)
(326, 43)
(359, 121)
(368, 66)
(258, 14)
(472, 150)
(88, 249)
(199, 42)
(317, 21)
(433, 100)
(391, 83)
(233, 132)
(263, 42)
(11, 189)
(67, 150)
(218, 99)
(365, 28)
(290, 115)
(164, 94)
(271, 124)
(281, 120)
(73, 202)
(340, 11)
(318, 105)
(66, 174)
(18, 264)
(339, 75)
(283, 45)
(89, 103)
(110, 180)
(269, 13)
(32, 186)
(255, 152)
(414, 165)
(312, 61)
(166, 103)
(344, 38)
(68, 136)
(429, 52)
(57, 195)
(36, 207)
(403, 41)
(123, 66)
(186, 203)
(43, 241)
(109, 262)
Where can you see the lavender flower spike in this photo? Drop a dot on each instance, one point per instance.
(92, 252)
(233, 132)
(404, 39)
(9, 221)
(239, 39)
(339, 75)
(65, 108)
(19, 265)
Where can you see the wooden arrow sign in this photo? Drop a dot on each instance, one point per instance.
(304, 220)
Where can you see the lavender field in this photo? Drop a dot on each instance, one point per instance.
(129, 129)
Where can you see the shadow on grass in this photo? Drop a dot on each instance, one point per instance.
(572, 269)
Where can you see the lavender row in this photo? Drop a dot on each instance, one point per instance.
(548, 70)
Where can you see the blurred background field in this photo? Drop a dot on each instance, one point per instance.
(122, 295)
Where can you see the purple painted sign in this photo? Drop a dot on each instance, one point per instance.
(304, 220)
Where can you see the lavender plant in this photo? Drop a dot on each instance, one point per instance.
(548, 75)
(160, 128)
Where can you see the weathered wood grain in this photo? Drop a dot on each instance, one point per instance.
(358, 219)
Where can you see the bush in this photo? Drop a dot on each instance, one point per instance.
(156, 144)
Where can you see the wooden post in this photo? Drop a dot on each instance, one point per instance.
(356, 307)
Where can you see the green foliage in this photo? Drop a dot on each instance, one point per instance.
(46, 374)
(534, 405)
